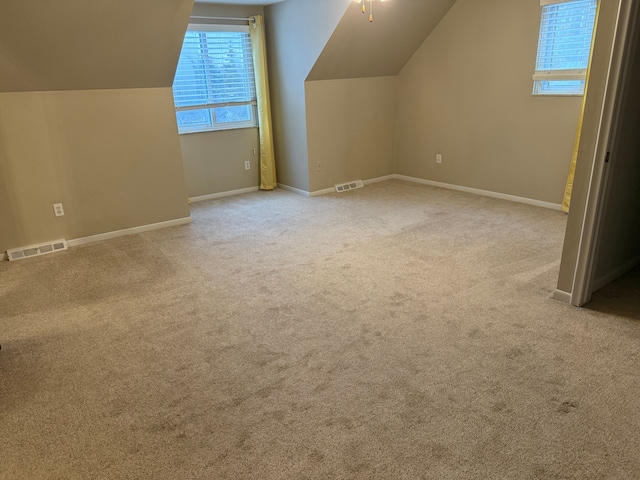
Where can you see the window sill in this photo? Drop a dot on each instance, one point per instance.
(557, 95)
(217, 130)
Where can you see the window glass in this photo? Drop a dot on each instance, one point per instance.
(564, 47)
(214, 86)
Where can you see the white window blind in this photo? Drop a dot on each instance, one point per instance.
(564, 46)
(214, 85)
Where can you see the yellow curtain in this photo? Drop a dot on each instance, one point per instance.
(267, 157)
(566, 201)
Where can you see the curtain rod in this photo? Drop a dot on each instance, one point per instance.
(238, 19)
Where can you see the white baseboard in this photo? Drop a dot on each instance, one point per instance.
(561, 295)
(379, 179)
(324, 191)
(615, 273)
(485, 193)
(293, 189)
(449, 186)
(128, 231)
(229, 193)
(558, 294)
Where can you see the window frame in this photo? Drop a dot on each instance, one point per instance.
(544, 76)
(212, 107)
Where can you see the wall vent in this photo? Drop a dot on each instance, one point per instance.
(343, 187)
(35, 250)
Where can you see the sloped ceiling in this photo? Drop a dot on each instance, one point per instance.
(240, 2)
(358, 48)
(90, 44)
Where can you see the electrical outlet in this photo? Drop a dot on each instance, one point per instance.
(319, 166)
(254, 152)
(247, 165)
(439, 158)
(58, 210)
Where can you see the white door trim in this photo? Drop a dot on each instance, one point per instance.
(583, 280)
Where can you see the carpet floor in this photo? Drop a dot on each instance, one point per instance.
(397, 331)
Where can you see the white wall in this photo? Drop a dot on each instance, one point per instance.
(466, 94)
(296, 31)
(350, 129)
(214, 161)
(87, 117)
(111, 157)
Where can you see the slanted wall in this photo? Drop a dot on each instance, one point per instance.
(329, 126)
(87, 118)
(466, 94)
(297, 31)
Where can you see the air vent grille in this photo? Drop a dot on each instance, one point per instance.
(343, 187)
(36, 250)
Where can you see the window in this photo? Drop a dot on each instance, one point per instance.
(564, 46)
(214, 87)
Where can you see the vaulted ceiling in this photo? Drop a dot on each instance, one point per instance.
(241, 2)
(101, 44)
(83, 45)
(359, 48)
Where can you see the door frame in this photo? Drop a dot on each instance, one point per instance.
(583, 278)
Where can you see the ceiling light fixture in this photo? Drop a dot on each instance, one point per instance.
(364, 8)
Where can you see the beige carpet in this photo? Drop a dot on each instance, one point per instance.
(394, 332)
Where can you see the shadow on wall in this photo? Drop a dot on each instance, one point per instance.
(8, 218)
(621, 297)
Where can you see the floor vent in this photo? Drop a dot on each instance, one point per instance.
(349, 186)
(35, 250)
